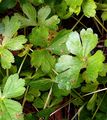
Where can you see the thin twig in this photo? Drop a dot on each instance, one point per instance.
(22, 64)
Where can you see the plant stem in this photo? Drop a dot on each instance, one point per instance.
(80, 22)
(77, 23)
(22, 63)
(47, 100)
(104, 89)
(24, 99)
(98, 107)
(78, 111)
(100, 23)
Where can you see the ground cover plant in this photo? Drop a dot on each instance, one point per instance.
(53, 60)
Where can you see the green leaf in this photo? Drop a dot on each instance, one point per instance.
(65, 8)
(105, 43)
(29, 116)
(89, 87)
(104, 16)
(6, 58)
(34, 92)
(73, 42)
(11, 27)
(58, 44)
(74, 5)
(104, 70)
(52, 22)
(45, 113)
(4, 5)
(56, 101)
(95, 65)
(14, 87)
(30, 12)
(36, 58)
(43, 19)
(37, 2)
(62, 11)
(1, 28)
(101, 116)
(69, 68)
(38, 102)
(29, 98)
(59, 92)
(41, 84)
(89, 8)
(43, 13)
(10, 110)
(43, 59)
(39, 36)
(16, 43)
(89, 41)
(84, 114)
(91, 102)
(103, 105)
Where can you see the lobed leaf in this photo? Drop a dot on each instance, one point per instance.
(82, 47)
(89, 8)
(14, 87)
(69, 68)
(89, 40)
(43, 13)
(6, 58)
(58, 44)
(39, 36)
(11, 27)
(43, 59)
(95, 65)
(10, 110)
(29, 11)
(16, 43)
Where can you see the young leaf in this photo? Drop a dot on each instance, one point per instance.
(10, 110)
(39, 36)
(15, 43)
(11, 27)
(104, 16)
(43, 59)
(89, 87)
(6, 58)
(89, 8)
(74, 5)
(14, 87)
